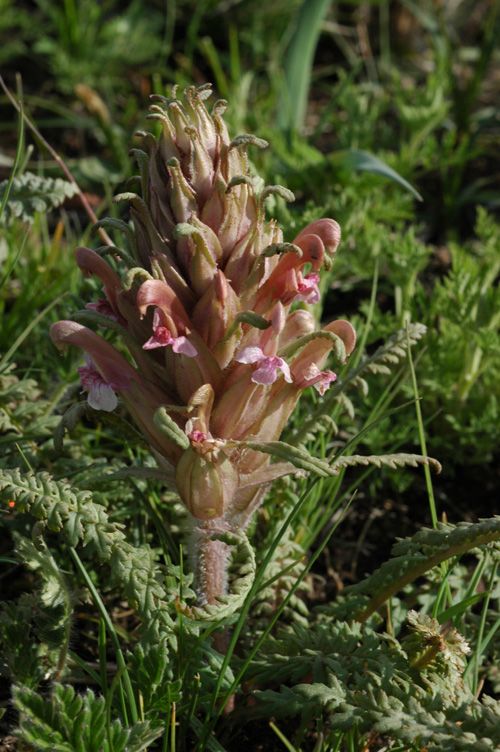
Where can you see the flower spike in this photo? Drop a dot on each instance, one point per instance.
(218, 338)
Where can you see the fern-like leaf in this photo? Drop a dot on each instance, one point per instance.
(415, 556)
(32, 194)
(68, 722)
(386, 460)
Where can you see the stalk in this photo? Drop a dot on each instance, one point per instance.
(209, 560)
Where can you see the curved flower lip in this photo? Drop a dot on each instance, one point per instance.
(327, 229)
(314, 240)
(345, 331)
(313, 251)
(92, 264)
(299, 323)
(100, 394)
(314, 354)
(158, 293)
(112, 366)
(307, 289)
(163, 338)
(268, 365)
(283, 282)
(320, 380)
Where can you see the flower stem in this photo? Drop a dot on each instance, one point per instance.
(210, 559)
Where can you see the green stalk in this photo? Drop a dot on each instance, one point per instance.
(421, 435)
(482, 624)
(120, 660)
(360, 347)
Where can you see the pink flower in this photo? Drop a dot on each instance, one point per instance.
(103, 307)
(162, 337)
(197, 436)
(320, 380)
(268, 365)
(101, 395)
(307, 288)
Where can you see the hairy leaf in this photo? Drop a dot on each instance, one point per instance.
(32, 194)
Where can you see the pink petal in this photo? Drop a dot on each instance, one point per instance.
(324, 383)
(320, 380)
(266, 374)
(250, 355)
(102, 397)
(157, 320)
(182, 345)
(197, 436)
(153, 343)
(100, 394)
(110, 363)
(308, 290)
(285, 369)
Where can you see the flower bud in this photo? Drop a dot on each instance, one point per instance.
(212, 316)
(201, 168)
(205, 486)
(181, 195)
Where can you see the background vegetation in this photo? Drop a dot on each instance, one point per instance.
(382, 115)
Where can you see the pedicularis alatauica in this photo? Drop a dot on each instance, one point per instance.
(212, 305)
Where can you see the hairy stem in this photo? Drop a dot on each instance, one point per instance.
(210, 558)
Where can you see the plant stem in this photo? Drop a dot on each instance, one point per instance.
(210, 565)
(210, 560)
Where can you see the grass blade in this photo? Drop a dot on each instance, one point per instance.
(362, 161)
(120, 660)
(298, 64)
(27, 331)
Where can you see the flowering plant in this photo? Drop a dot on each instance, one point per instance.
(205, 303)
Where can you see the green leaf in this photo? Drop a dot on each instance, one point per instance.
(413, 557)
(248, 139)
(386, 460)
(277, 249)
(27, 195)
(242, 578)
(169, 427)
(296, 455)
(249, 317)
(363, 161)
(459, 608)
(69, 722)
(299, 62)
